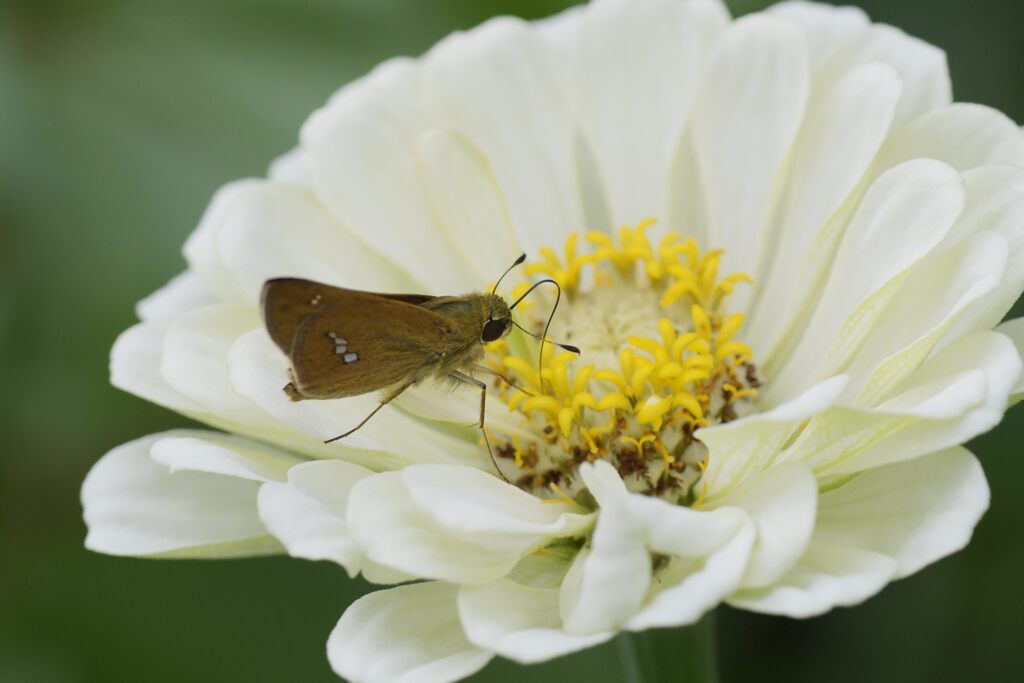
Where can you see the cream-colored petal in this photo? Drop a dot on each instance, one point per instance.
(135, 368)
(390, 440)
(634, 74)
(1014, 330)
(916, 511)
(825, 27)
(963, 135)
(504, 88)
(307, 514)
(201, 246)
(468, 207)
(955, 395)
(134, 505)
(745, 120)
(395, 531)
(609, 580)
(922, 67)
(519, 622)
(408, 634)
(471, 503)
(935, 294)
(183, 292)
(704, 557)
(835, 149)
(879, 526)
(434, 400)
(216, 453)
(904, 215)
(194, 359)
(687, 587)
(781, 502)
(275, 230)
(995, 203)
(290, 167)
(360, 160)
(745, 447)
(825, 577)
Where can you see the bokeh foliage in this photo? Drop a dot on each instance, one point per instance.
(118, 119)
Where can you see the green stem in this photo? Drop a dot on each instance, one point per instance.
(678, 655)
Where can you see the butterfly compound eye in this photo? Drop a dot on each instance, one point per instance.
(494, 330)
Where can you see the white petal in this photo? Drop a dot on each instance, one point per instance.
(837, 144)
(519, 622)
(782, 503)
(469, 502)
(826, 27)
(825, 577)
(467, 205)
(135, 356)
(904, 215)
(307, 514)
(409, 634)
(938, 290)
(391, 440)
(745, 119)
(995, 203)
(559, 30)
(633, 99)
(136, 506)
(194, 360)
(609, 580)
(922, 67)
(393, 531)
(707, 555)
(916, 512)
(503, 87)
(359, 158)
(687, 588)
(184, 292)
(434, 400)
(201, 246)
(274, 230)
(135, 368)
(955, 395)
(290, 167)
(225, 454)
(881, 525)
(746, 446)
(1014, 330)
(965, 136)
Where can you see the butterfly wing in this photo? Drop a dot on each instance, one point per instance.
(287, 301)
(344, 342)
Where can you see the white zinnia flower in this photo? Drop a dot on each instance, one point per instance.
(773, 389)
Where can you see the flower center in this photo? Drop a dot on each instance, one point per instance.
(660, 360)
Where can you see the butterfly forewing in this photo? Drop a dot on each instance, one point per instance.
(287, 301)
(355, 342)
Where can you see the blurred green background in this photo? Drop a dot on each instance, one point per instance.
(117, 121)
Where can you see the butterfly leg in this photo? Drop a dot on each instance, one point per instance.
(469, 379)
(503, 378)
(388, 399)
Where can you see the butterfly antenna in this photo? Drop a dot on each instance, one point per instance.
(544, 336)
(517, 262)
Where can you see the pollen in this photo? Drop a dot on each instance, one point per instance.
(662, 357)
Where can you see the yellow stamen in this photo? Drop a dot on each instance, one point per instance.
(668, 382)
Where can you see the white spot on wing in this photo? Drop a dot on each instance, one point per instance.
(350, 357)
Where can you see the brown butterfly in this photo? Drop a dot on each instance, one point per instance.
(344, 342)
